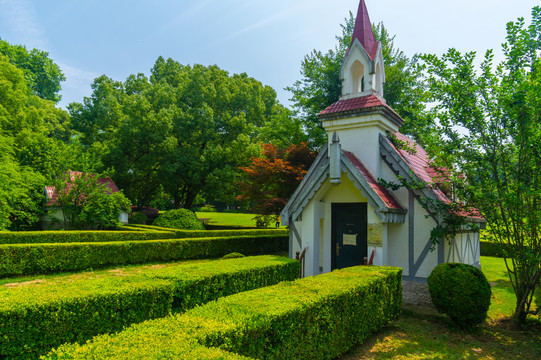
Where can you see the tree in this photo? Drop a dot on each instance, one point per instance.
(182, 132)
(87, 204)
(320, 85)
(43, 75)
(271, 178)
(488, 136)
(25, 119)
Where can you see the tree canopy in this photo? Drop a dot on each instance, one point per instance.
(182, 132)
(41, 73)
(488, 132)
(272, 177)
(31, 129)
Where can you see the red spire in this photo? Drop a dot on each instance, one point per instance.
(363, 31)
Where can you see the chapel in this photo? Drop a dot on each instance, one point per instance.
(341, 215)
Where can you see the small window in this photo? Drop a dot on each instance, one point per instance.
(357, 77)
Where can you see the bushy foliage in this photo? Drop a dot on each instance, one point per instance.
(26, 123)
(233, 255)
(41, 73)
(137, 218)
(487, 137)
(206, 208)
(33, 319)
(460, 291)
(183, 219)
(273, 176)
(149, 212)
(87, 203)
(319, 317)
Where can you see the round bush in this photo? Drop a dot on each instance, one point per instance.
(137, 218)
(183, 219)
(233, 255)
(460, 291)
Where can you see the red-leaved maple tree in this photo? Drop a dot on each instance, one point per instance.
(273, 177)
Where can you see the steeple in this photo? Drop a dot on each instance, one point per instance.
(363, 31)
(362, 71)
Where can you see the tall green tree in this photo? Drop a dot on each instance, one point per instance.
(42, 74)
(320, 84)
(184, 131)
(488, 137)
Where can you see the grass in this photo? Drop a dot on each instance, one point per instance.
(81, 276)
(236, 219)
(422, 333)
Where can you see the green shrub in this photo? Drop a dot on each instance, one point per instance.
(20, 259)
(36, 318)
(137, 218)
(206, 208)
(233, 255)
(319, 317)
(62, 236)
(142, 232)
(183, 219)
(460, 291)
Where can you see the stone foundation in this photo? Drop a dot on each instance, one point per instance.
(415, 293)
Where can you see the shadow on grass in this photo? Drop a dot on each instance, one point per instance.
(424, 335)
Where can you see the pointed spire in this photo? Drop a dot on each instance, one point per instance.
(363, 31)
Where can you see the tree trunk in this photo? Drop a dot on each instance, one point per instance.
(190, 198)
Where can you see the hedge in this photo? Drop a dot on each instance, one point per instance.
(44, 237)
(319, 317)
(138, 233)
(36, 318)
(494, 249)
(219, 231)
(21, 259)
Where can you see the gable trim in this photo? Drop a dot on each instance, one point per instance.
(318, 174)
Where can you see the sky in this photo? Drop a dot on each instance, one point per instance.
(265, 39)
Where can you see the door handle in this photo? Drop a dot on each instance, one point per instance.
(337, 249)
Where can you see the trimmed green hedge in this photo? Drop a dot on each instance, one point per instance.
(182, 234)
(39, 317)
(21, 259)
(149, 227)
(493, 249)
(136, 233)
(47, 237)
(319, 317)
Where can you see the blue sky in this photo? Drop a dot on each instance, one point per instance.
(265, 39)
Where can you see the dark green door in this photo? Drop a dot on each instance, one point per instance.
(349, 234)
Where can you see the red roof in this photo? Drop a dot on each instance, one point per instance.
(356, 103)
(363, 31)
(379, 189)
(419, 162)
(52, 193)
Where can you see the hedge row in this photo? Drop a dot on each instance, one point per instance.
(35, 318)
(45, 237)
(149, 227)
(495, 249)
(319, 317)
(489, 248)
(21, 259)
(138, 234)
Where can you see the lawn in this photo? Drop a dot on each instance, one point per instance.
(421, 333)
(237, 219)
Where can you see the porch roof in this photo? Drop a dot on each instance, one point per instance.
(387, 208)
